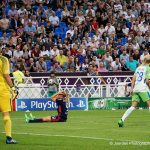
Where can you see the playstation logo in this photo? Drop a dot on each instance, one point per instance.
(22, 105)
(81, 104)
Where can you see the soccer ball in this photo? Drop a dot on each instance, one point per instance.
(50, 81)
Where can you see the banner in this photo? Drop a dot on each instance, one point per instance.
(109, 103)
(112, 103)
(41, 104)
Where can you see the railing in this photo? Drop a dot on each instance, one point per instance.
(76, 86)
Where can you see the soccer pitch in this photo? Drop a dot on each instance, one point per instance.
(84, 130)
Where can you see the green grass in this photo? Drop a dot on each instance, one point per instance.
(84, 130)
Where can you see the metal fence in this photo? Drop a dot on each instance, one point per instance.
(76, 86)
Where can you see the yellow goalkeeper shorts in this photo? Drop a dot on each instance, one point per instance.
(5, 102)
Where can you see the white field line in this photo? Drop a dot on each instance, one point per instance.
(76, 136)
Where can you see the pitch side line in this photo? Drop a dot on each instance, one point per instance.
(74, 136)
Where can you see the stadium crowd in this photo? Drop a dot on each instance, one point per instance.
(75, 35)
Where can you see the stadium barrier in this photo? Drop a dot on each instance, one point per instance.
(76, 86)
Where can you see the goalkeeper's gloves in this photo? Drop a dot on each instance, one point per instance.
(13, 92)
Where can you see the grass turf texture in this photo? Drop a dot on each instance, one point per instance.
(84, 130)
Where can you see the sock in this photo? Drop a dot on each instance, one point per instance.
(36, 120)
(149, 109)
(7, 125)
(127, 113)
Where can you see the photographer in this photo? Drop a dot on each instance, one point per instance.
(52, 84)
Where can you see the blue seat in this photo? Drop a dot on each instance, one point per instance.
(35, 7)
(6, 11)
(124, 40)
(128, 24)
(65, 29)
(59, 30)
(45, 7)
(91, 34)
(58, 14)
(48, 64)
(62, 24)
(1, 34)
(8, 34)
(63, 35)
(58, 34)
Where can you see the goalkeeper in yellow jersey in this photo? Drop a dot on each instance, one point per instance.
(5, 105)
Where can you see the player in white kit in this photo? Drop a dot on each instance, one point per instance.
(140, 88)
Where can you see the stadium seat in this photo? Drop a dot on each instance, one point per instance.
(65, 29)
(1, 34)
(62, 24)
(8, 34)
(48, 64)
(45, 7)
(59, 29)
(128, 24)
(35, 7)
(58, 34)
(124, 40)
(58, 13)
(91, 34)
(63, 36)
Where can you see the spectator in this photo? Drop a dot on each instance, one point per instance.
(4, 38)
(15, 22)
(61, 58)
(145, 52)
(18, 54)
(12, 12)
(110, 29)
(54, 20)
(71, 31)
(115, 54)
(116, 65)
(31, 65)
(56, 67)
(85, 65)
(41, 30)
(124, 56)
(65, 14)
(41, 65)
(132, 64)
(18, 76)
(30, 29)
(36, 52)
(55, 51)
(8, 51)
(22, 11)
(44, 53)
(139, 38)
(53, 84)
(109, 60)
(27, 79)
(34, 21)
(101, 67)
(78, 66)
(4, 23)
(136, 55)
(92, 70)
(69, 64)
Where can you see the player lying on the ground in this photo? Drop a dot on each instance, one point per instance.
(140, 88)
(61, 99)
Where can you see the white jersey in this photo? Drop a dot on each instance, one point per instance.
(142, 73)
